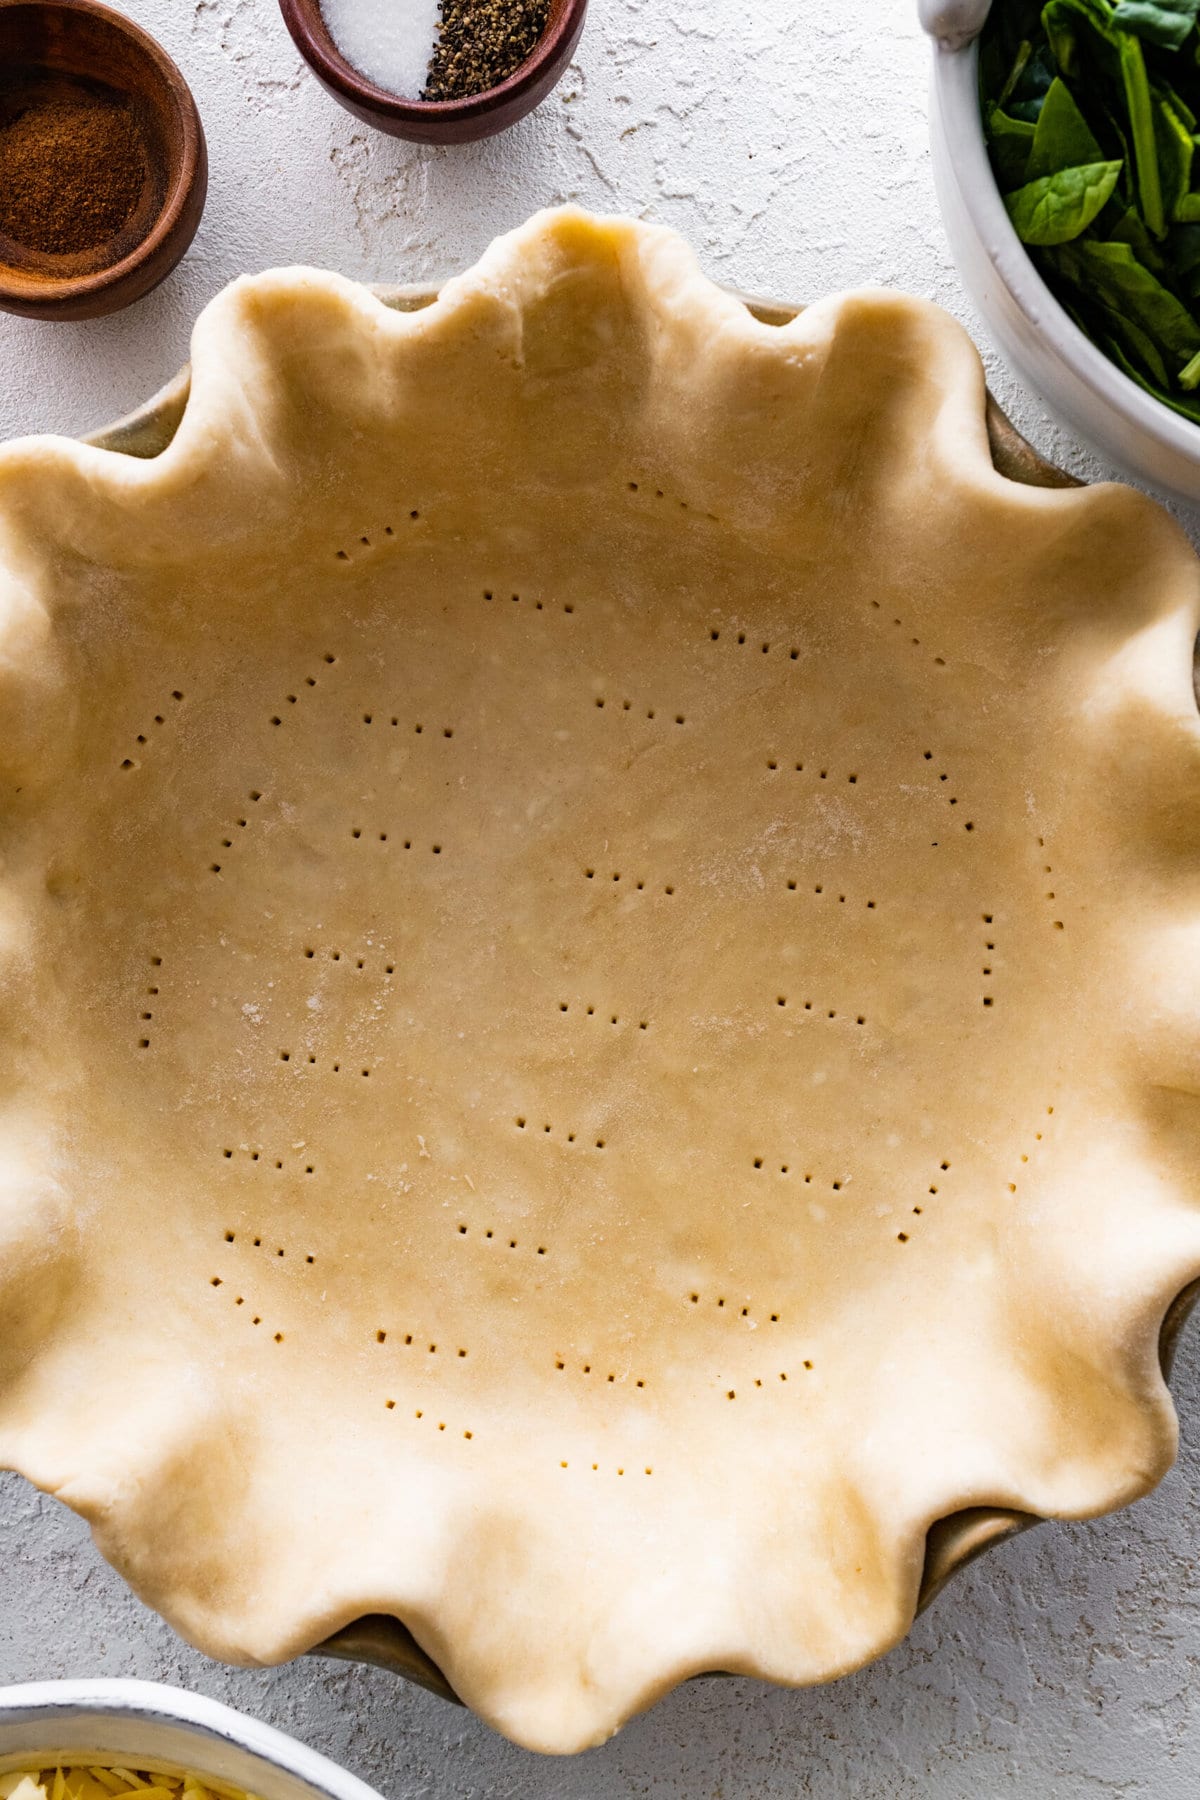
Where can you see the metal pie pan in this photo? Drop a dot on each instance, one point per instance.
(952, 1542)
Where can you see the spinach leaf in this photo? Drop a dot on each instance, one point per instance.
(1089, 47)
(1138, 344)
(1119, 281)
(1180, 105)
(1141, 346)
(1141, 128)
(1009, 141)
(1177, 402)
(1021, 56)
(1130, 230)
(1183, 247)
(1073, 28)
(1098, 320)
(1062, 138)
(1163, 22)
(1056, 208)
(1033, 74)
(1174, 143)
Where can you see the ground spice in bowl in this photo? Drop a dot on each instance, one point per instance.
(73, 164)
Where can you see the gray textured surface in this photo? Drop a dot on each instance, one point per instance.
(788, 141)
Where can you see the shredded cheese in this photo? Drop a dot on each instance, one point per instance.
(94, 1781)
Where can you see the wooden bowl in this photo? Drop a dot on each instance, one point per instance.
(438, 121)
(76, 44)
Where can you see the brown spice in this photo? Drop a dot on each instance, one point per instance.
(72, 165)
(480, 43)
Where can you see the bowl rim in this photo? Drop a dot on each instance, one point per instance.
(183, 174)
(956, 85)
(314, 41)
(42, 1704)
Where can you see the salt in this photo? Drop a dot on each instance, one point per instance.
(391, 42)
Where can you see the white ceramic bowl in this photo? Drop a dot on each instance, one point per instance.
(1078, 383)
(142, 1725)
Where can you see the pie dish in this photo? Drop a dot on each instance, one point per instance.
(952, 1542)
(594, 914)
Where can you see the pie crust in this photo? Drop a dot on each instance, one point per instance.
(597, 939)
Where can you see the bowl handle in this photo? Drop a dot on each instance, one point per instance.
(953, 23)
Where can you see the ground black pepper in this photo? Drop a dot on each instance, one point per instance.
(480, 43)
(72, 164)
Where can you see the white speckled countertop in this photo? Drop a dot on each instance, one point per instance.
(788, 142)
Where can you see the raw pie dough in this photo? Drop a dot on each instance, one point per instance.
(598, 957)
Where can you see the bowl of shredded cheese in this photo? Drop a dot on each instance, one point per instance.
(137, 1740)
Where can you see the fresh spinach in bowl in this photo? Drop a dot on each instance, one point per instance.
(1090, 111)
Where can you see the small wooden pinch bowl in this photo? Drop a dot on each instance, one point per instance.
(84, 44)
(438, 121)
